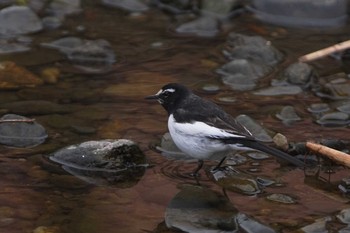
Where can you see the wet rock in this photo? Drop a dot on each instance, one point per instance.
(318, 108)
(334, 119)
(51, 22)
(288, 115)
(234, 180)
(344, 216)
(318, 226)
(258, 155)
(239, 82)
(198, 209)
(13, 76)
(281, 198)
(21, 133)
(16, 20)
(265, 182)
(257, 130)
(128, 5)
(344, 185)
(252, 48)
(242, 66)
(235, 159)
(35, 107)
(203, 26)
(118, 162)
(82, 52)
(300, 74)
(250, 225)
(210, 88)
(335, 87)
(279, 90)
(241, 74)
(345, 108)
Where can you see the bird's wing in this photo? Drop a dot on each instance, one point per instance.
(213, 116)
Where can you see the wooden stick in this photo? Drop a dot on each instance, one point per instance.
(326, 51)
(335, 155)
(16, 120)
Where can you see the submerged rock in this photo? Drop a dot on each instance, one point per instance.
(119, 162)
(257, 130)
(243, 66)
(204, 26)
(253, 48)
(239, 82)
(16, 20)
(281, 198)
(288, 115)
(128, 5)
(19, 131)
(335, 87)
(332, 119)
(13, 76)
(88, 53)
(300, 74)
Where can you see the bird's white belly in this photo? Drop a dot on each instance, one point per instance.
(193, 140)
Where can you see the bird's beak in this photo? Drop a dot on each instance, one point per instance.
(152, 97)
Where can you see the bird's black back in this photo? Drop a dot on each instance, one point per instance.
(194, 108)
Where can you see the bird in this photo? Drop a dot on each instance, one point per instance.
(200, 128)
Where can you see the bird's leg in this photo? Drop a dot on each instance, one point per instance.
(217, 167)
(200, 165)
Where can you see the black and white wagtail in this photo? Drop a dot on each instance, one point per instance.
(200, 128)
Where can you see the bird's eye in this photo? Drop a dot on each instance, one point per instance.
(166, 94)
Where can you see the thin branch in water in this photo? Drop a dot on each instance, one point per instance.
(326, 51)
(335, 155)
(16, 120)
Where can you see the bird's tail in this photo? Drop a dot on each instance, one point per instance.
(275, 152)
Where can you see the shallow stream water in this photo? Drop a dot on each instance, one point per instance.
(37, 194)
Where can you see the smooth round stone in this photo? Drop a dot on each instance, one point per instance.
(344, 108)
(281, 198)
(318, 108)
(203, 27)
(288, 114)
(257, 130)
(16, 20)
(21, 134)
(227, 99)
(344, 216)
(258, 155)
(211, 88)
(334, 119)
(250, 69)
(239, 82)
(298, 73)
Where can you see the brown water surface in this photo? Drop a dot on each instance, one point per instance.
(37, 193)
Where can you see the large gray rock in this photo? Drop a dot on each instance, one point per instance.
(15, 20)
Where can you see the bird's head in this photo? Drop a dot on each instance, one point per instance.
(170, 95)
